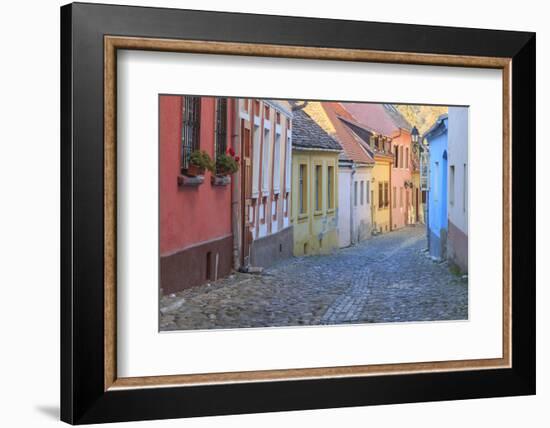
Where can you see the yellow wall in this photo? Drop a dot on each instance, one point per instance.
(315, 231)
(381, 216)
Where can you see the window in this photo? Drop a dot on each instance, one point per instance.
(452, 185)
(288, 158)
(400, 196)
(221, 126)
(277, 164)
(362, 192)
(285, 207)
(464, 189)
(380, 195)
(396, 156)
(318, 187)
(256, 160)
(386, 194)
(400, 156)
(263, 212)
(355, 193)
(406, 157)
(302, 189)
(274, 205)
(191, 116)
(330, 187)
(368, 192)
(394, 197)
(245, 104)
(245, 144)
(266, 151)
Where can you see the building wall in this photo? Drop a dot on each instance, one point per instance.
(400, 174)
(361, 217)
(457, 245)
(344, 206)
(362, 209)
(380, 215)
(315, 232)
(192, 219)
(437, 216)
(271, 157)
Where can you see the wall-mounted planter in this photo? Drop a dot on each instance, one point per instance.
(220, 180)
(184, 180)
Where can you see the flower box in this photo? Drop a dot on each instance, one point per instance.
(220, 180)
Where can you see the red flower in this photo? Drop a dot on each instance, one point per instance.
(237, 159)
(231, 151)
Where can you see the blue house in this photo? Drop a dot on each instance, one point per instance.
(436, 139)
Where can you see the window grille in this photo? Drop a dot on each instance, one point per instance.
(191, 116)
(221, 126)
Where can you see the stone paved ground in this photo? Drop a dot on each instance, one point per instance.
(388, 278)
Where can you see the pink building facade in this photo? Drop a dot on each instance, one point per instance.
(196, 236)
(401, 179)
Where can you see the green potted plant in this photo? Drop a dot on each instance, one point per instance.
(199, 162)
(227, 163)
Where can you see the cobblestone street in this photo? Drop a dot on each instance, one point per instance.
(388, 278)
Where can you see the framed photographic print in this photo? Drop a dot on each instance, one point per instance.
(266, 213)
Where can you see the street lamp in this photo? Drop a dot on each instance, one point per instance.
(414, 138)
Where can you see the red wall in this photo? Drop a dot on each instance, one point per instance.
(189, 215)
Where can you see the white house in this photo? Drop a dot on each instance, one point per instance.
(265, 132)
(457, 198)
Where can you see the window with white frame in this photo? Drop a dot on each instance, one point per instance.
(256, 161)
(265, 159)
(277, 163)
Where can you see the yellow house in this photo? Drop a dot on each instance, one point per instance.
(381, 192)
(314, 208)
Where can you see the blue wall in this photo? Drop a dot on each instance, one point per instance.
(437, 197)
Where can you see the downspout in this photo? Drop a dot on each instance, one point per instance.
(427, 204)
(391, 187)
(236, 189)
(390, 194)
(351, 203)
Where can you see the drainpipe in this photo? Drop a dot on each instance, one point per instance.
(351, 203)
(425, 147)
(390, 195)
(236, 188)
